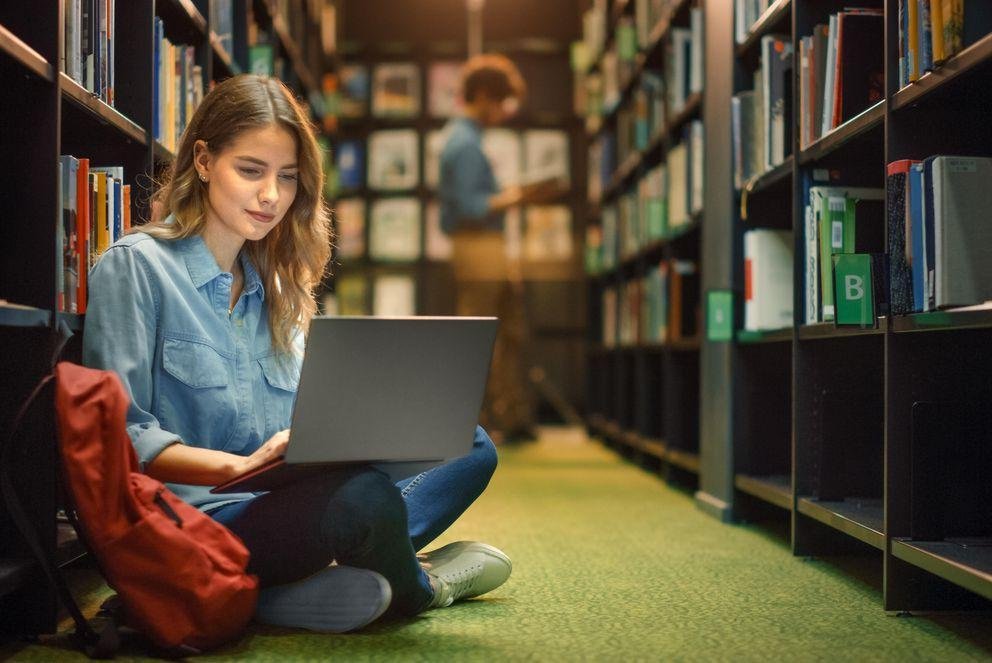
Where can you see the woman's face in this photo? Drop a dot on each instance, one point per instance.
(251, 183)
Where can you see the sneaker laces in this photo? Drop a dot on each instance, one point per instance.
(449, 589)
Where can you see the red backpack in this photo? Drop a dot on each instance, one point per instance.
(179, 575)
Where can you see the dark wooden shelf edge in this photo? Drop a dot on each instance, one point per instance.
(940, 559)
(769, 178)
(767, 489)
(223, 56)
(11, 316)
(975, 55)
(829, 514)
(305, 75)
(745, 337)
(190, 14)
(686, 460)
(100, 110)
(13, 574)
(763, 25)
(27, 56)
(869, 119)
(827, 330)
(936, 321)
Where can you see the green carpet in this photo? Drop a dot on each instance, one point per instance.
(611, 564)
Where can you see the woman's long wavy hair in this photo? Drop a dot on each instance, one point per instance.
(293, 257)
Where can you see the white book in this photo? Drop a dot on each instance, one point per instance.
(962, 198)
(697, 161)
(549, 233)
(546, 155)
(503, 149)
(828, 86)
(696, 73)
(394, 229)
(768, 279)
(394, 295)
(393, 160)
(678, 211)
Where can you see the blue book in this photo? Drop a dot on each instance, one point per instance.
(118, 209)
(926, 36)
(918, 243)
(351, 164)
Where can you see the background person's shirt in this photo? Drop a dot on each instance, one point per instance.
(158, 316)
(466, 180)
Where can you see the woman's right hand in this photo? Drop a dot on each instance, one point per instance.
(273, 448)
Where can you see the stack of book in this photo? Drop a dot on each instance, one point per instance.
(838, 220)
(87, 54)
(96, 212)
(177, 88)
(940, 248)
(931, 31)
(841, 71)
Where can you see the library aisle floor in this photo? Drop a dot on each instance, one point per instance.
(613, 564)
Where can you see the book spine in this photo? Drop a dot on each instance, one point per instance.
(903, 76)
(71, 230)
(913, 34)
(82, 232)
(900, 276)
(926, 40)
(831, 68)
(937, 30)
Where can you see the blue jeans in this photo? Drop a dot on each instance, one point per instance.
(359, 518)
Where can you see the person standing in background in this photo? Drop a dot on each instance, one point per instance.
(472, 209)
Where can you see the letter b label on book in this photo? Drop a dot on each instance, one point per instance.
(853, 288)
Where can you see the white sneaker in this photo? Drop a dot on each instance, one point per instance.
(336, 600)
(464, 570)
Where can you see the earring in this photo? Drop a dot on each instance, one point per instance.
(203, 178)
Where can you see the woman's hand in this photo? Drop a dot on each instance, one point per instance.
(273, 448)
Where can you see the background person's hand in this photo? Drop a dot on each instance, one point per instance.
(273, 448)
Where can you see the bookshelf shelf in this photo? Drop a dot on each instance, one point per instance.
(685, 345)
(943, 321)
(746, 337)
(184, 15)
(869, 120)
(14, 574)
(776, 178)
(682, 459)
(776, 18)
(967, 564)
(861, 518)
(775, 489)
(161, 153)
(106, 114)
(974, 60)
(221, 57)
(692, 109)
(24, 54)
(15, 316)
(654, 447)
(827, 330)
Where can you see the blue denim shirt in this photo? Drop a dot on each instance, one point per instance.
(197, 374)
(467, 180)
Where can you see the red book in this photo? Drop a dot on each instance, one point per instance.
(82, 231)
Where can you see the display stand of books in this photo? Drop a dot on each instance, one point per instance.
(108, 113)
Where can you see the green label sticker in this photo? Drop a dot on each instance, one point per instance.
(719, 315)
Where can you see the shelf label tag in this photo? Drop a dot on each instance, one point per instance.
(719, 315)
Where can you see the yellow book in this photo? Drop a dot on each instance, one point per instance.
(937, 31)
(102, 229)
(913, 33)
(952, 13)
(126, 215)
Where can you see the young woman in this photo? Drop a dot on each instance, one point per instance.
(203, 314)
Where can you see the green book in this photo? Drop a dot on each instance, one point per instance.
(854, 289)
(260, 60)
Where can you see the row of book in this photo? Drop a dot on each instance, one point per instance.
(87, 54)
(661, 307)
(390, 231)
(633, 33)
(661, 203)
(391, 295)
(746, 14)
(641, 120)
(394, 90)
(177, 89)
(761, 117)
(394, 158)
(940, 245)
(96, 211)
(841, 71)
(931, 31)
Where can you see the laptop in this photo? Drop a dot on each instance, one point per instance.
(401, 393)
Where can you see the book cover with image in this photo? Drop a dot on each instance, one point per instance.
(396, 90)
(546, 155)
(443, 79)
(394, 295)
(437, 244)
(349, 217)
(354, 90)
(394, 229)
(503, 149)
(548, 235)
(394, 159)
(350, 162)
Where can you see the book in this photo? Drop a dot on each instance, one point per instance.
(546, 155)
(860, 80)
(853, 283)
(961, 199)
(351, 291)
(354, 90)
(396, 90)
(394, 295)
(437, 243)
(548, 234)
(776, 72)
(678, 186)
(82, 233)
(394, 229)
(900, 273)
(350, 164)
(443, 79)
(394, 158)
(349, 216)
(768, 257)
(917, 239)
(503, 148)
(683, 300)
(67, 267)
(261, 60)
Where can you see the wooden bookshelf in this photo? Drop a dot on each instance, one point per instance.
(776, 18)
(98, 109)
(976, 60)
(966, 564)
(857, 127)
(774, 489)
(862, 519)
(24, 54)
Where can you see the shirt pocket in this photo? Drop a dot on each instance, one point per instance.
(281, 376)
(198, 400)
